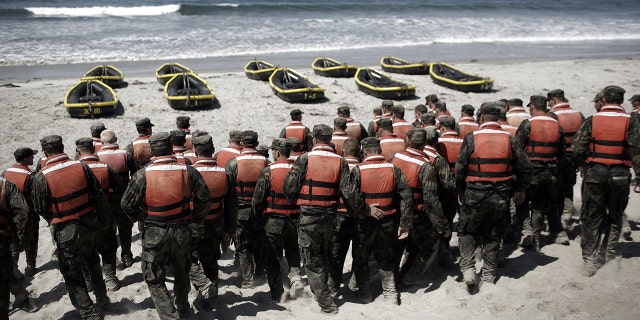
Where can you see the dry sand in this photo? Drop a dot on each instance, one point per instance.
(548, 286)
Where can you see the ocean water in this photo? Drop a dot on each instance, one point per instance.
(36, 32)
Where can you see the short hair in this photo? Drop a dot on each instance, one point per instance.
(344, 111)
(421, 108)
(441, 106)
(350, 147)
(108, 136)
(398, 111)
(204, 150)
(377, 111)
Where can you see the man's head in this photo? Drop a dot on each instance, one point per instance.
(178, 137)
(340, 124)
(377, 111)
(97, 128)
(296, 145)
(515, 102)
(161, 144)
(598, 101)
(344, 112)
(182, 122)
(24, 156)
(108, 137)
(441, 107)
(386, 106)
(144, 126)
(296, 114)
(385, 125)
(397, 111)
(249, 139)
(281, 148)
(431, 100)
(419, 110)
(417, 138)
(85, 146)
(467, 110)
(235, 136)
(428, 119)
(203, 146)
(350, 148)
(556, 96)
(432, 135)
(537, 103)
(489, 112)
(322, 133)
(370, 146)
(52, 145)
(635, 100)
(613, 95)
(447, 123)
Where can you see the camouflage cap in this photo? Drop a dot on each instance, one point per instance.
(183, 122)
(281, 144)
(635, 97)
(516, 102)
(22, 153)
(84, 142)
(160, 138)
(202, 140)
(539, 101)
(432, 98)
(250, 137)
(431, 133)
(490, 108)
(387, 103)
(447, 121)
(556, 93)
(385, 123)
(198, 133)
(340, 122)
(296, 112)
(97, 126)
(370, 142)
(235, 135)
(178, 134)
(51, 141)
(322, 130)
(417, 136)
(144, 123)
(615, 90)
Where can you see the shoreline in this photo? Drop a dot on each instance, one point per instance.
(485, 53)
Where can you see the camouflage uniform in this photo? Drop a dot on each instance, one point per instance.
(75, 238)
(485, 204)
(379, 236)
(14, 213)
(167, 242)
(317, 223)
(605, 189)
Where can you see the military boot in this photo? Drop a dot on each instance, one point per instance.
(562, 238)
(23, 301)
(567, 214)
(389, 287)
(353, 284)
(470, 279)
(110, 278)
(296, 287)
(537, 246)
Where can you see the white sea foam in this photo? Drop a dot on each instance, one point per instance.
(104, 11)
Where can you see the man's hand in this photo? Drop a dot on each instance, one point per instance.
(447, 232)
(229, 238)
(375, 212)
(402, 233)
(518, 197)
(459, 199)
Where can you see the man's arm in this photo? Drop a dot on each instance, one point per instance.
(201, 195)
(133, 196)
(522, 167)
(432, 205)
(523, 132)
(19, 208)
(40, 196)
(230, 209)
(406, 199)
(446, 178)
(293, 180)
(462, 162)
(260, 193)
(580, 143)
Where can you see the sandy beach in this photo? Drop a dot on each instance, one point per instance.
(546, 286)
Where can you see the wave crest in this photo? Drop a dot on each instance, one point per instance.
(104, 11)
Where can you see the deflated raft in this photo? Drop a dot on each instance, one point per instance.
(328, 67)
(109, 75)
(259, 70)
(456, 79)
(188, 91)
(293, 87)
(382, 86)
(397, 65)
(90, 98)
(169, 70)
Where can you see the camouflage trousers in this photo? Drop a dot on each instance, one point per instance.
(422, 246)
(485, 207)
(6, 276)
(344, 236)
(76, 248)
(250, 246)
(282, 234)
(209, 249)
(162, 245)
(380, 238)
(315, 237)
(540, 196)
(31, 235)
(124, 226)
(605, 195)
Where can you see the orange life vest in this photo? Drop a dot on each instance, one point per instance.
(100, 170)
(322, 179)
(449, 145)
(250, 164)
(375, 123)
(191, 155)
(223, 156)
(19, 175)
(391, 144)
(112, 155)
(217, 181)
(410, 163)
(352, 163)
(97, 144)
(276, 200)
(378, 183)
(68, 187)
(188, 139)
(354, 129)
(543, 139)
(431, 153)
(142, 150)
(570, 121)
(516, 115)
(466, 125)
(511, 130)
(338, 139)
(401, 127)
(492, 155)
(297, 129)
(609, 133)
(168, 194)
